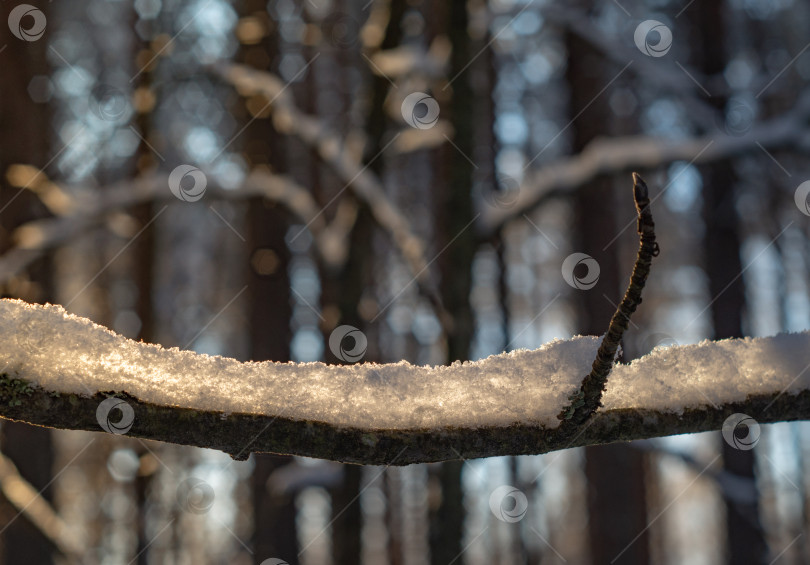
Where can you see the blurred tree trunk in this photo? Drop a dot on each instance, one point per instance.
(345, 289)
(746, 541)
(454, 208)
(393, 517)
(25, 133)
(347, 528)
(143, 248)
(341, 292)
(275, 533)
(518, 552)
(745, 535)
(143, 261)
(617, 504)
(270, 311)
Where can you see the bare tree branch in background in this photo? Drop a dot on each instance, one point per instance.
(687, 84)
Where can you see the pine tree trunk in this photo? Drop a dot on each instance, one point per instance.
(746, 541)
(455, 213)
(275, 533)
(24, 138)
(617, 505)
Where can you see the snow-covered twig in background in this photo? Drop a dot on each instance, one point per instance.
(59, 368)
(288, 119)
(615, 155)
(90, 207)
(586, 400)
(732, 486)
(674, 82)
(38, 511)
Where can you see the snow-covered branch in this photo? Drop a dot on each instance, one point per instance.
(615, 155)
(31, 504)
(289, 119)
(66, 372)
(90, 207)
(671, 79)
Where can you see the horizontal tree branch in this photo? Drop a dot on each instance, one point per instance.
(62, 371)
(242, 434)
(689, 84)
(667, 78)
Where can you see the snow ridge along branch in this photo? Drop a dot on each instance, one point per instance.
(586, 401)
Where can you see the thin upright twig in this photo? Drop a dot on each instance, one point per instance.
(588, 398)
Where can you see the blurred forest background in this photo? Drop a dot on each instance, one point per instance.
(438, 228)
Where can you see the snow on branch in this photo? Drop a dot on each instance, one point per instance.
(66, 372)
(667, 79)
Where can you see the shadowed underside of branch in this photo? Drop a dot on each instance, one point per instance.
(239, 435)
